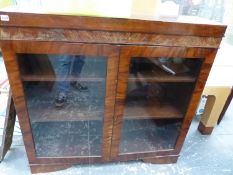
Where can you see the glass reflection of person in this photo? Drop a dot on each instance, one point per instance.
(69, 66)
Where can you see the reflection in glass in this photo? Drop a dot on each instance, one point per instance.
(159, 90)
(164, 69)
(65, 97)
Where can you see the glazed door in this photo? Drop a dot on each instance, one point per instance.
(155, 101)
(64, 95)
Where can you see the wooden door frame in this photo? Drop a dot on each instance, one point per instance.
(9, 51)
(126, 53)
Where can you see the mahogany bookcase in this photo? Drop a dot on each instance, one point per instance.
(144, 79)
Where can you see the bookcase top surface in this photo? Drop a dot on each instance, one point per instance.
(153, 10)
(104, 15)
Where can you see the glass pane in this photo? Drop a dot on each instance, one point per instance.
(159, 90)
(147, 135)
(65, 102)
(61, 67)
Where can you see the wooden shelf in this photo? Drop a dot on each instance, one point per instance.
(151, 110)
(46, 111)
(60, 78)
(79, 106)
(160, 76)
(54, 116)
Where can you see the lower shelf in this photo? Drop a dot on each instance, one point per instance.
(79, 106)
(89, 105)
(151, 109)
